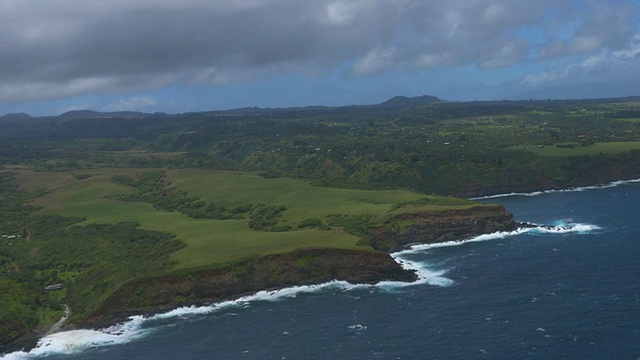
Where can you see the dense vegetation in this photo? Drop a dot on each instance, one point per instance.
(43, 250)
(476, 146)
(91, 200)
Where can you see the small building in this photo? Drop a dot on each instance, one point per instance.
(53, 287)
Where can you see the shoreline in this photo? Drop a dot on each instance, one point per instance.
(560, 190)
(32, 341)
(305, 266)
(301, 267)
(127, 327)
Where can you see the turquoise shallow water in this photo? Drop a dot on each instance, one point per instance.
(573, 291)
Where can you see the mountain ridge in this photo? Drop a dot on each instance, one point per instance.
(395, 102)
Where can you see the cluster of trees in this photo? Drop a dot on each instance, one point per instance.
(21, 287)
(265, 217)
(151, 187)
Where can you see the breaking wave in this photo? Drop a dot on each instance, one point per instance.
(426, 275)
(542, 192)
(136, 327)
(559, 227)
(75, 341)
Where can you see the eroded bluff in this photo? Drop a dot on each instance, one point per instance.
(404, 230)
(303, 266)
(300, 267)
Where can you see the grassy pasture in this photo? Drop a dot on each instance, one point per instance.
(605, 148)
(302, 199)
(216, 241)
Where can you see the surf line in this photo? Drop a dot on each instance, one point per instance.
(562, 227)
(575, 189)
(136, 327)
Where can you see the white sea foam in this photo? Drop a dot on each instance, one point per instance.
(565, 229)
(426, 275)
(18, 355)
(264, 295)
(74, 341)
(559, 227)
(415, 249)
(358, 327)
(582, 188)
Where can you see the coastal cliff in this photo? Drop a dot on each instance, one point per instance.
(306, 266)
(407, 229)
(300, 267)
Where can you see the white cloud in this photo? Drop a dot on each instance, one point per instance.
(508, 52)
(585, 44)
(604, 25)
(428, 61)
(494, 13)
(606, 66)
(376, 60)
(342, 12)
(631, 51)
(52, 90)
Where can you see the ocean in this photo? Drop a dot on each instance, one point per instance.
(571, 290)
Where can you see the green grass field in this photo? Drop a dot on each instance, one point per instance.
(597, 148)
(217, 241)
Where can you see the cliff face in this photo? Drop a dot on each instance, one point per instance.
(303, 266)
(300, 267)
(433, 227)
(586, 170)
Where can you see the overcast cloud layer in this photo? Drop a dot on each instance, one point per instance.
(60, 49)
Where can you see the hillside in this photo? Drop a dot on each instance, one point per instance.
(404, 102)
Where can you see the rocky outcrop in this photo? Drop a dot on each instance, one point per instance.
(299, 267)
(404, 230)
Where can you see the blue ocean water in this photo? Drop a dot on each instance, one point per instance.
(571, 291)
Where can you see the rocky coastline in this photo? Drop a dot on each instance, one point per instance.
(303, 266)
(202, 287)
(404, 230)
(306, 266)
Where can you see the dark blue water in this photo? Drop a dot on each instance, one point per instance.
(533, 295)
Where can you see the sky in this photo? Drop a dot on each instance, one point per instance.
(200, 55)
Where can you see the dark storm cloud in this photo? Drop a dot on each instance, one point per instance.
(76, 47)
(59, 48)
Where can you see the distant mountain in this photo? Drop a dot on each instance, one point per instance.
(404, 101)
(15, 116)
(397, 102)
(90, 114)
(78, 114)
